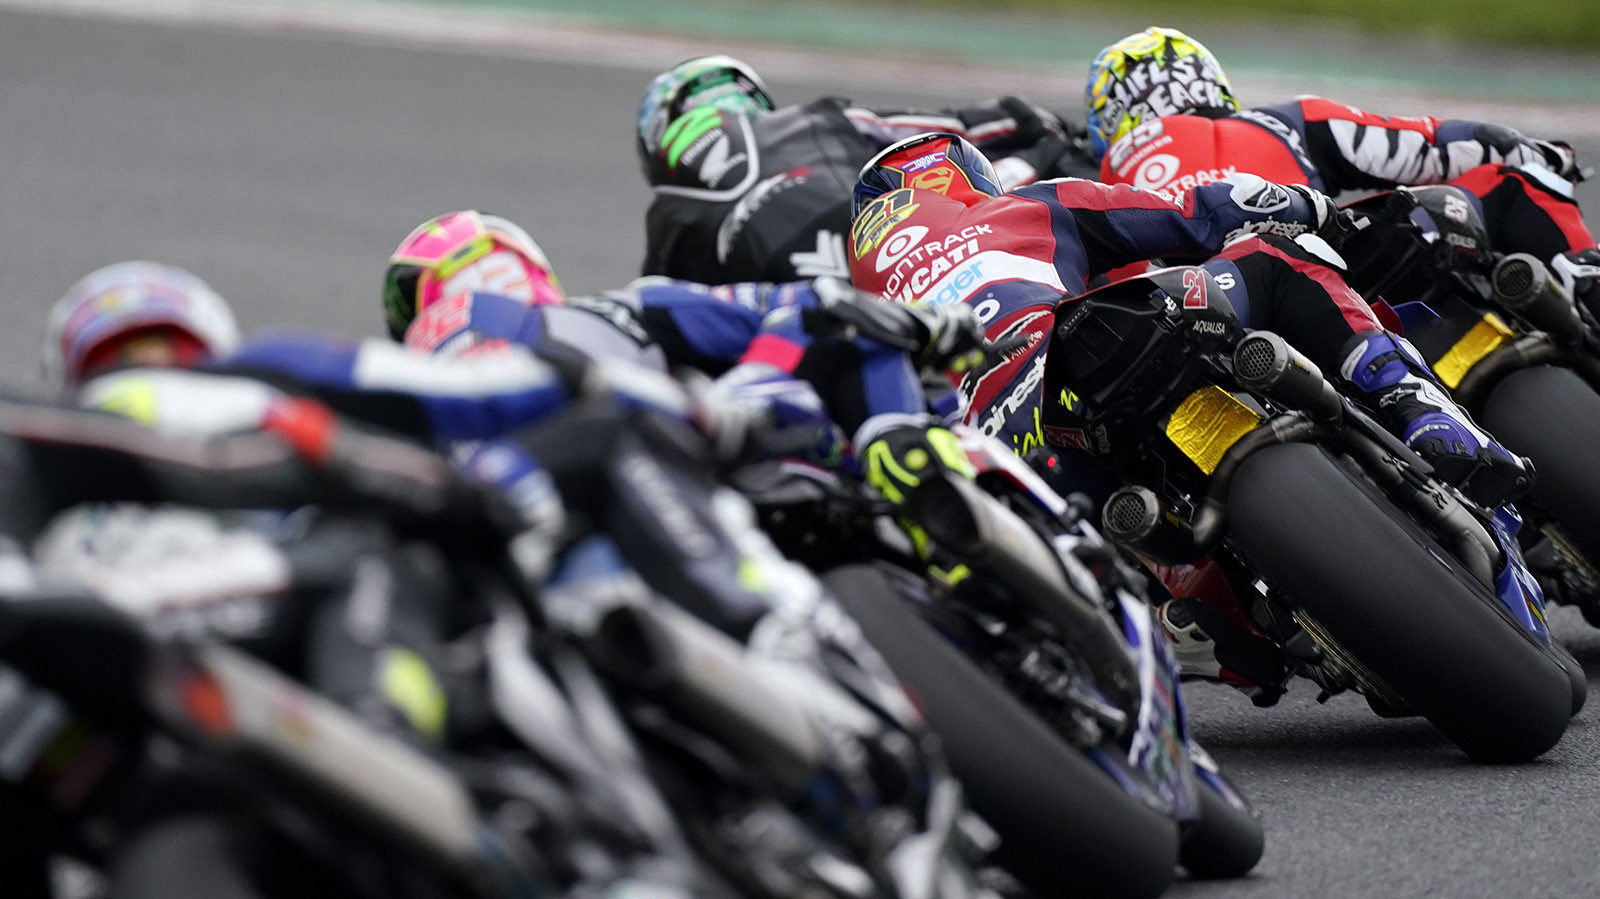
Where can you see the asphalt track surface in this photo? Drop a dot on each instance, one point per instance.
(284, 167)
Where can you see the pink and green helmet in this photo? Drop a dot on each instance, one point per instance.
(464, 252)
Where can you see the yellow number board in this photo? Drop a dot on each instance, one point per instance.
(1484, 338)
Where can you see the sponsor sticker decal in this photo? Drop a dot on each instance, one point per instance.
(925, 161)
(1073, 437)
(1194, 289)
(878, 219)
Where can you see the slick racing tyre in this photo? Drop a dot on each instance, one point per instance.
(1065, 824)
(1226, 842)
(1393, 600)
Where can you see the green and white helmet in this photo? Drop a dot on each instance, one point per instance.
(706, 82)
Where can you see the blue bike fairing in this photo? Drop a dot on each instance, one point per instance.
(1515, 585)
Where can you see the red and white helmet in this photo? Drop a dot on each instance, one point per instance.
(464, 252)
(95, 326)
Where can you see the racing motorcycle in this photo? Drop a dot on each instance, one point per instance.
(1333, 540)
(174, 762)
(509, 744)
(1035, 658)
(1514, 349)
(789, 753)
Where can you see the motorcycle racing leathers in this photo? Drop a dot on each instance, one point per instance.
(1013, 258)
(1521, 184)
(769, 345)
(767, 198)
(686, 537)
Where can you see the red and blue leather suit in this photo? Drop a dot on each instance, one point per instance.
(1015, 257)
(1334, 148)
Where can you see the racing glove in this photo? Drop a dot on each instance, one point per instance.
(1040, 141)
(899, 452)
(1579, 274)
(1034, 122)
(1331, 221)
(1333, 226)
(938, 337)
(757, 411)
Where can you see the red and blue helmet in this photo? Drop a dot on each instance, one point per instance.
(937, 161)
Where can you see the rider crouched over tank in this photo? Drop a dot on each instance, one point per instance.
(746, 190)
(626, 448)
(932, 224)
(834, 374)
(1162, 115)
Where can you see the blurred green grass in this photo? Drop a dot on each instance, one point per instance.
(1040, 29)
(1563, 25)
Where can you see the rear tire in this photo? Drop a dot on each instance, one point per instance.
(1065, 825)
(1398, 603)
(1552, 416)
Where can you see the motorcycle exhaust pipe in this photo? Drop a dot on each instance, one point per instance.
(1522, 284)
(761, 707)
(374, 778)
(1136, 518)
(1265, 363)
(978, 529)
(960, 517)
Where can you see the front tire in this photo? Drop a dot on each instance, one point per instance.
(1398, 603)
(1226, 841)
(1065, 826)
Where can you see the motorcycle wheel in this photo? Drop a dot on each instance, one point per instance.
(1576, 676)
(1398, 603)
(1552, 416)
(1226, 842)
(1064, 823)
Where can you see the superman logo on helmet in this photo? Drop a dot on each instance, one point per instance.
(936, 161)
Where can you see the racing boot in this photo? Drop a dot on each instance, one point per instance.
(1207, 646)
(1393, 375)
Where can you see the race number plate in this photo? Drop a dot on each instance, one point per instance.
(1484, 338)
(1208, 422)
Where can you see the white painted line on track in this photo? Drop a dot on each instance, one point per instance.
(542, 35)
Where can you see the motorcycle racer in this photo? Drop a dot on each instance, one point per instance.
(1162, 115)
(772, 347)
(745, 190)
(931, 224)
(685, 537)
(135, 313)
